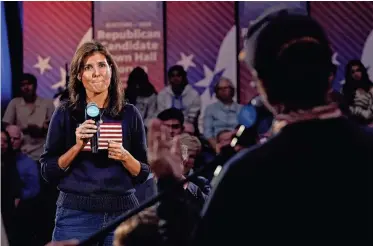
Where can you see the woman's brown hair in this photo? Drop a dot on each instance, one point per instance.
(77, 93)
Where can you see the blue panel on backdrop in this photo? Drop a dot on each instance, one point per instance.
(6, 72)
(20, 7)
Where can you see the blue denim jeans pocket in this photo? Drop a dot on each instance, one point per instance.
(76, 224)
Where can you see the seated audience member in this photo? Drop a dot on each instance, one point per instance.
(27, 167)
(190, 147)
(179, 94)
(173, 120)
(207, 154)
(358, 93)
(221, 114)
(27, 211)
(10, 188)
(141, 93)
(223, 138)
(247, 137)
(32, 114)
(189, 128)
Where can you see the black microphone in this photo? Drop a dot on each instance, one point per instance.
(92, 112)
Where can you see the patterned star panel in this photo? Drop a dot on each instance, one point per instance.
(198, 29)
(6, 71)
(201, 36)
(52, 29)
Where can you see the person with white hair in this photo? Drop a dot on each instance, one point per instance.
(29, 208)
(26, 166)
(221, 115)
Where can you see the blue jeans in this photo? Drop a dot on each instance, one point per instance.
(76, 224)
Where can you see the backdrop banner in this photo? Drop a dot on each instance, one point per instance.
(133, 33)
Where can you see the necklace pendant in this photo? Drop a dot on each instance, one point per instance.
(101, 121)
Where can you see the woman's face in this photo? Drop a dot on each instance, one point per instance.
(4, 143)
(224, 90)
(356, 72)
(96, 74)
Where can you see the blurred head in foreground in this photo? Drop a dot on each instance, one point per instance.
(142, 227)
(289, 57)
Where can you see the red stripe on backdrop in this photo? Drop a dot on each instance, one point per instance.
(52, 32)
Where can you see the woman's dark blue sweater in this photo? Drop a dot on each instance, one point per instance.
(93, 182)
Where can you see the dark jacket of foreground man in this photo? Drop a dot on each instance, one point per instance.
(313, 181)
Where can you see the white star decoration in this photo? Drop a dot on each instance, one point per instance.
(205, 82)
(337, 63)
(335, 59)
(62, 82)
(186, 61)
(43, 64)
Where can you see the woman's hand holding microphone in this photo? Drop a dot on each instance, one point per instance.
(115, 150)
(85, 132)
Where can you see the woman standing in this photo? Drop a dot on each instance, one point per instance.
(94, 188)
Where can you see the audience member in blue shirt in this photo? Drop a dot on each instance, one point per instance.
(27, 167)
(221, 115)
